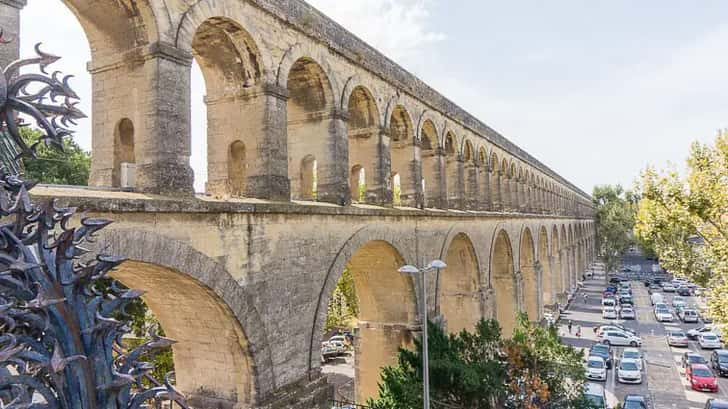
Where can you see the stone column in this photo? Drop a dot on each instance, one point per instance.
(518, 283)
(472, 194)
(523, 203)
(497, 199)
(506, 193)
(441, 202)
(416, 167)
(10, 24)
(486, 194)
(538, 268)
(383, 189)
(150, 86)
(457, 199)
(487, 302)
(333, 178)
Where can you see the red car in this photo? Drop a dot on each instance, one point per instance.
(701, 378)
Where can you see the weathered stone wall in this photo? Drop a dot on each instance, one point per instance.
(273, 266)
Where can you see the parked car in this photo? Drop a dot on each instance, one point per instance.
(608, 302)
(688, 315)
(663, 315)
(695, 332)
(328, 351)
(627, 313)
(609, 313)
(596, 368)
(629, 372)
(634, 402)
(713, 403)
(602, 351)
(690, 358)
(626, 300)
(661, 305)
(684, 291)
(633, 353)
(709, 340)
(595, 394)
(719, 362)
(676, 338)
(668, 288)
(621, 338)
(701, 378)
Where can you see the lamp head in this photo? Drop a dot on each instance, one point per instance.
(437, 264)
(408, 269)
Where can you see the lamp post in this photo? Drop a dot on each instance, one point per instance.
(409, 269)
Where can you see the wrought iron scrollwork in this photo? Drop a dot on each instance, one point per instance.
(62, 318)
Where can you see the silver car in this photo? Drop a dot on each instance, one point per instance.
(676, 338)
(627, 313)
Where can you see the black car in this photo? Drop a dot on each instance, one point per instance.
(604, 352)
(634, 402)
(690, 358)
(615, 280)
(719, 362)
(684, 291)
(716, 404)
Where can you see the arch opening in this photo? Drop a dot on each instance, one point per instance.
(228, 60)
(503, 282)
(309, 107)
(430, 164)
(402, 157)
(544, 259)
(530, 287)
(212, 359)
(459, 286)
(363, 132)
(379, 309)
(452, 171)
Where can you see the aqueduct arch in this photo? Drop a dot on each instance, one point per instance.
(459, 285)
(528, 274)
(503, 280)
(548, 291)
(430, 154)
(557, 268)
(364, 147)
(405, 181)
(213, 357)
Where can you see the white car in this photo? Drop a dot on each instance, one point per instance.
(619, 328)
(633, 353)
(596, 368)
(629, 372)
(627, 313)
(621, 339)
(609, 313)
(663, 314)
(709, 340)
(661, 305)
(668, 288)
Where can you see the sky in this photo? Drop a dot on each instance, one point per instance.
(595, 90)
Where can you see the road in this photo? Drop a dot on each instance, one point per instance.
(664, 380)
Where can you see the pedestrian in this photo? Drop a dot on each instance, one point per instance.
(596, 329)
(578, 331)
(569, 326)
(586, 297)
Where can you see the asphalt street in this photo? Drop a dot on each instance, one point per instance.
(664, 381)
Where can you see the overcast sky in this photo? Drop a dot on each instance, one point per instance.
(594, 89)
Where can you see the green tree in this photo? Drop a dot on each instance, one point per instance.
(343, 306)
(684, 218)
(481, 370)
(70, 167)
(615, 221)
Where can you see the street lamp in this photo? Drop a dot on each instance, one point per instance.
(409, 269)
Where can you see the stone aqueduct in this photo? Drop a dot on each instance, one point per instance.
(322, 155)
